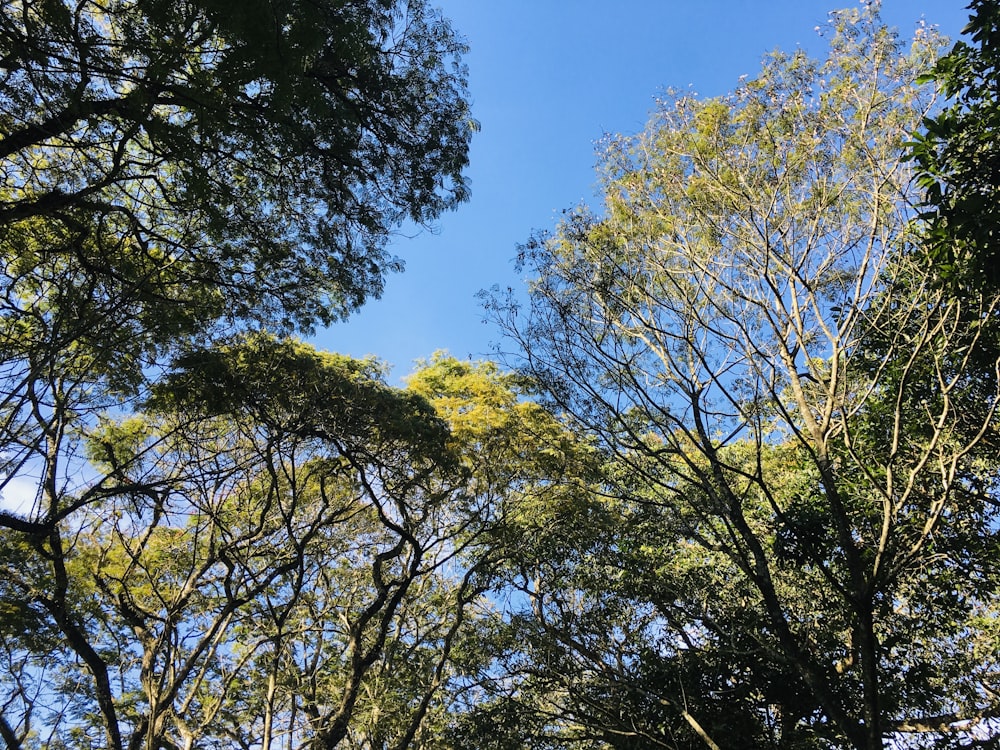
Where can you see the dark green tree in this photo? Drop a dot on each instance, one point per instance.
(958, 156)
(175, 170)
(200, 160)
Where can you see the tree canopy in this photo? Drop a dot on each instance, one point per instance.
(799, 432)
(740, 489)
(212, 503)
(279, 550)
(958, 152)
(177, 171)
(196, 161)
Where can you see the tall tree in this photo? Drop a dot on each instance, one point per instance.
(808, 520)
(958, 154)
(239, 162)
(174, 170)
(280, 550)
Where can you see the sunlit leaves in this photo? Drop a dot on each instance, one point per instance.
(784, 486)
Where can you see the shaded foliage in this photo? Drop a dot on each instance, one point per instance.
(958, 156)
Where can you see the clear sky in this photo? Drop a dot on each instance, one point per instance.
(548, 78)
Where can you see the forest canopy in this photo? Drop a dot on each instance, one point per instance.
(735, 487)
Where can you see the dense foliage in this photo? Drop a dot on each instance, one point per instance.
(739, 492)
(958, 154)
(194, 160)
(799, 425)
(280, 549)
(174, 174)
(175, 171)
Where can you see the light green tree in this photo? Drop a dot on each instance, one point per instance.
(280, 550)
(174, 170)
(796, 426)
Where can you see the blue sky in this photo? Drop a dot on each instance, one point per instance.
(548, 78)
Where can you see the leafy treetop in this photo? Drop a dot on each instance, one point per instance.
(202, 161)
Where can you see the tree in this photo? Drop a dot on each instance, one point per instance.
(279, 550)
(805, 552)
(174, 171)
(537, 478)
(277, 555)
(245, 164)
(957, 157)
(176, 176)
